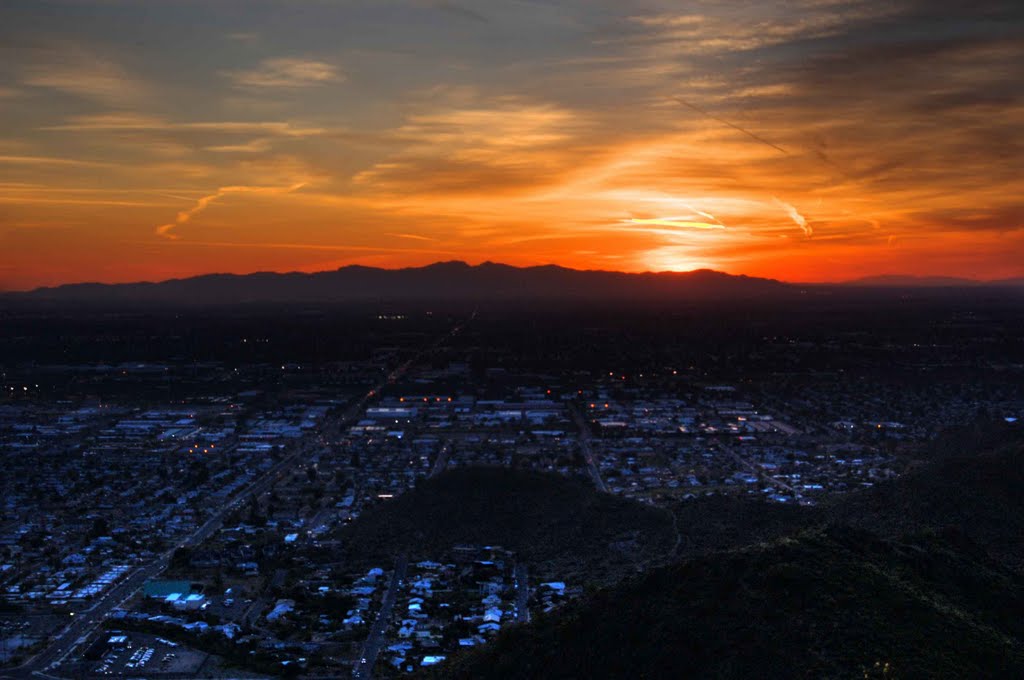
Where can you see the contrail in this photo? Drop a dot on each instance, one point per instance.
(723, 121)
(415, 237)
(166, 230)
(795, 215)
(707, 215)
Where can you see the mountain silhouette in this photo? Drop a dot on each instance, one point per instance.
(441, 281)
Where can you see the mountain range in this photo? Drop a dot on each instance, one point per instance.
(444, 281)
(441, 281)
(904, 281)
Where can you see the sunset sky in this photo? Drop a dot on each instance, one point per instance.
(817, 140)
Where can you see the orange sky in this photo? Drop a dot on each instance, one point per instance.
(820, 140)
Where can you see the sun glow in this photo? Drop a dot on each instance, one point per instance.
(673, 259)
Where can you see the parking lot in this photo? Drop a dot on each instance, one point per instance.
(134, 654)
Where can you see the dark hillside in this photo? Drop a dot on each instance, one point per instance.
(716, 523)
(978, 496)
(834, 603)
(562, 526)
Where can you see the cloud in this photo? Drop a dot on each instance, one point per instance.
(133, 122)
(727, 30)
(76, 71)
(677, 222)
(796, 217)
(414, 237)
(314, 246)
(459, 11)
(46, 160)
(255, 146)
(503, 147)
(243, 36)
(167, 230)
(287, 72)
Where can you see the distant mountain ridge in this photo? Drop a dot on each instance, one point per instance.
(458, 281)
(908, 281)
(444, 280)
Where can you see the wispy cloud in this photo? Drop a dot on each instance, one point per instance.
(46, 160)
(243, 36)
(287, 72)
(681, 222)
(331, 247)
(132, 122)
(76, 71)
(414, 237)
(501, 146)
(255, 146)
(167, 230)
(795, 215)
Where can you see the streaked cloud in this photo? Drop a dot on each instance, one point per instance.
(414, 237)
(287, 72)
(243, 36)
(676, 222)
(73, 70)
(254, 146)
(132, 122)
(167, 230)
(44, 160)
(795, 215)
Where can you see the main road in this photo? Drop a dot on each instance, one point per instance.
(363, 669)
(588, 453)
(522, 576)
(441, 462)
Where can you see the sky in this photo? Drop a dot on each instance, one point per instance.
(816, 140)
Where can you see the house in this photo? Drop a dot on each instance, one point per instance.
(282, 608)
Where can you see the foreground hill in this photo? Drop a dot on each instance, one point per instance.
(835, 603)
(441, 281)
(978, 496)
(716, 523)
(562, 527)
(919, 577)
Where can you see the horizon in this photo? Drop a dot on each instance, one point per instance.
(908, 279)
(825, 142)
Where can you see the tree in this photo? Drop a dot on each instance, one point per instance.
(181, 558)
(99, 527)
